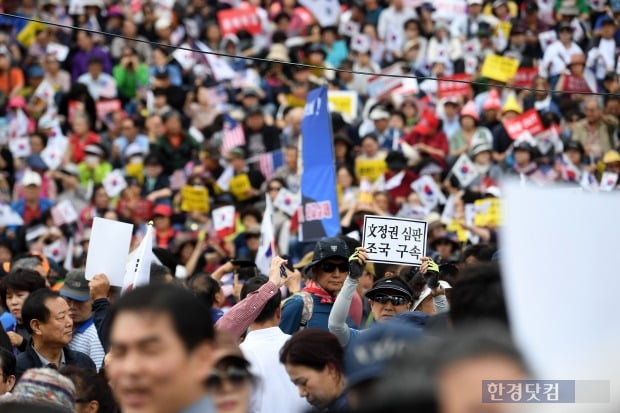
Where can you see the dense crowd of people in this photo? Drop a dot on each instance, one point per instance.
(110, 122)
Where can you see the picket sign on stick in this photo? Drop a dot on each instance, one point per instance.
(394, 240)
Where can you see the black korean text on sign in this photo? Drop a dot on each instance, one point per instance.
(394, 240)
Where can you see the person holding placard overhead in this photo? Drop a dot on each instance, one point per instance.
(388, 297)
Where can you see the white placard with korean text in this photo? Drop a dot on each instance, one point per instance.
(391, 240)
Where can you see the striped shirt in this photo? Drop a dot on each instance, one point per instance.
(86, 340)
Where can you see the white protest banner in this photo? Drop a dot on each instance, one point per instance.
(108, 250)
(447, 9)
(394, 240)
(544, 330)
(184, 57)
(287, 201)
(64, 213)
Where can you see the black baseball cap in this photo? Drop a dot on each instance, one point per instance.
(328, 248)
(76, 286)
(390, 286)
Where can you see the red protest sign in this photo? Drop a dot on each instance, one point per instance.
(103, 107)
(525, 76)
(447, 88)
(526, 122)
(233, 20)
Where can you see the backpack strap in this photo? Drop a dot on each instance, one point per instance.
(306, 312)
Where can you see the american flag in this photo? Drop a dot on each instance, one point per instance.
(270, 161)
(233, 135)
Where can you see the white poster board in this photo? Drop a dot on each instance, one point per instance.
(391, 240)
(108, 250)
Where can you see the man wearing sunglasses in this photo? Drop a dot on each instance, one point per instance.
(388, 297)
(327, 272)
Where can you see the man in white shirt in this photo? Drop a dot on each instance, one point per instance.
(466, 26)
(394, 18)
(99, 84)
(274, 392)
(604, 53)
(558, 54)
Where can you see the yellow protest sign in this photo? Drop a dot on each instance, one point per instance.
(371, 169)
(455, 226)
(488, 213)
(504, 28)
(499, 68)
(240, 186)
(343, 102)
(194, 199)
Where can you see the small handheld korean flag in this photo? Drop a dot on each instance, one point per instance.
(360, 43)
(57, 250)
(547, 38)
(20, 147)
(224, 221)
(348, 28)
(138, 269)
(114, 183)
(588, 182)
(287, 201)
(429, 192)
(608, 181)
(64, 213)
(464, 170)
(394, 39)
(326, 12)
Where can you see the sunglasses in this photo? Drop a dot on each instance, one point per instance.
(236, 376)
(395, 299)
(331, 266)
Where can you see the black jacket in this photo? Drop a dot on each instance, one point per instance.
(101, 311)
(29, 359)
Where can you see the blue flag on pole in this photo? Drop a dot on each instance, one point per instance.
(319, 203)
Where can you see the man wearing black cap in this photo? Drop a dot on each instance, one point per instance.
(388, 297)
(327, 272)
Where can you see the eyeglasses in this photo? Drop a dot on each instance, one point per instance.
(274, 188)
(331, 266)
(236, 376)
(395, 299)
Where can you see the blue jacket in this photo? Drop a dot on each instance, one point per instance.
(292, 310)
(19, 206)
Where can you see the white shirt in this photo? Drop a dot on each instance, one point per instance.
(102, 87)
(392, 18)
(88, 342)
(557, 57)
(275, 392)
